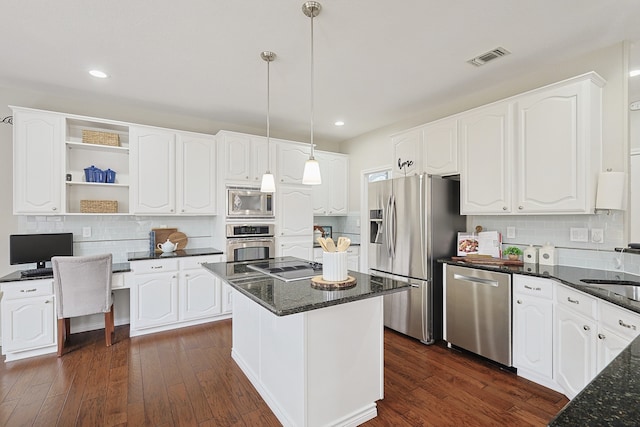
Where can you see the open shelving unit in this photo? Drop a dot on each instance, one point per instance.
(80, 155)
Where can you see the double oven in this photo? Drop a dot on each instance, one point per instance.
(248, 242)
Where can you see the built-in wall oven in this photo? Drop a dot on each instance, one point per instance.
(249, 202)
(248, 242)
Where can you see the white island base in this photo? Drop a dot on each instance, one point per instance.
(322, 367)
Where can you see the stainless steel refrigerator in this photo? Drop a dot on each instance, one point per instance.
(413, 221)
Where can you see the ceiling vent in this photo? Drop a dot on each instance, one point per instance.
(489, 56)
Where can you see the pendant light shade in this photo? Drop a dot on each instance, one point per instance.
(311, 175)
(268, 182)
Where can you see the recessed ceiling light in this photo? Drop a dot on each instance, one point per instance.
(339, 123)
(99, 74)
(634, 73)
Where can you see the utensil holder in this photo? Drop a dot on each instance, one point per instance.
(334, 266)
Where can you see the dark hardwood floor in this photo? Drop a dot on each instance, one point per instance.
(186, 377)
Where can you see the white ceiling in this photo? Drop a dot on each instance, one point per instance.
(376, 62)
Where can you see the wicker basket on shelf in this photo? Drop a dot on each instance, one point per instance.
(98, 206)
(100, 138)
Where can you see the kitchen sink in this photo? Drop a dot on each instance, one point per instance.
(625, 288)
(610, 282)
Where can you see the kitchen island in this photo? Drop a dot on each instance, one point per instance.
(315, 356)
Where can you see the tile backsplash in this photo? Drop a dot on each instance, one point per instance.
(348, 226)
(117, 234)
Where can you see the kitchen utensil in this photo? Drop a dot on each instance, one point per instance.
(179, 239)
(343, 243)
(323, 244)
(331, 246)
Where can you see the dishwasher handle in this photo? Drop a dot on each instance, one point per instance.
(478, 280)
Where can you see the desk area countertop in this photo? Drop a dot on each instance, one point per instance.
(121, 267)
(285, 298)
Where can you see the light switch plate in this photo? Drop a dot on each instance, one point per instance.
(579, 234)
(511, 232)
(86, 231)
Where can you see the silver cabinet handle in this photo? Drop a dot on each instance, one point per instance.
(586, 328)
(475, 280)
(504, 208)
(47, 302)
(519, 301)
(520, 207)
(531, 288)
(54, 208)
(624, 325)
(156, 267)
(601, 336)
(573, 301)
(28, 290)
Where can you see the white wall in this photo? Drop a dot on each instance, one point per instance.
(373, 150)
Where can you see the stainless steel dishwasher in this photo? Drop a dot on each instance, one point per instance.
(478, 312)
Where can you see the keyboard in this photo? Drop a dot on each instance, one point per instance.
(36, 272)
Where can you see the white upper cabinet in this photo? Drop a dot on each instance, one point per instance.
(485, 172)
(441, 147)
(407, 153)
(558, 148)
(196, 174)
(295, 217)
(246, 158)
(38, 142)
(153, 171)
(163, 160)
(291, 159)
(544, 158)
(331, 197)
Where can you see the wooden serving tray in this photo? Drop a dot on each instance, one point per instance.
(162, 234)
(318, 282)
(487, 260)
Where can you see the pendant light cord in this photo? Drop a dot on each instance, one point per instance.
(311, 157)
(268, 113)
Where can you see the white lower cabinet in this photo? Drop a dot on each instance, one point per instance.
(575, 337)
(299, 247)
(28, 319)
(533, 328)
(227, 298)
(169, 294)
(618, 327)
(562, 338)
(589, 333)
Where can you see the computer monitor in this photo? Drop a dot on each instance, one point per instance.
(39, 248)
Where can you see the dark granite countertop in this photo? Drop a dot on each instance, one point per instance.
(146, 255)
(121, 267)
(571, 276)
(284, 298)
(611, 398)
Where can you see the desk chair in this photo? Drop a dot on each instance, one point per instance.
(82, 286)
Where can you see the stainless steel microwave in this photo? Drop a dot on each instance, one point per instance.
(249, 202)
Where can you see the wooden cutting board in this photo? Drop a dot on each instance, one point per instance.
(179, 239)
(487, 260)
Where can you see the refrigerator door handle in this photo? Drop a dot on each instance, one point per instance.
(387, 227)
(392, 225)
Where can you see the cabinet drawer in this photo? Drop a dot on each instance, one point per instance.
(27, 288)
(621, 321)
(534, 286)
(188, 263)
(154, 266)
(577, 301)
(353, 251)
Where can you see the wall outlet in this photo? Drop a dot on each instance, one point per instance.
(579, 234)
(86, 231)
(597, 235)
(511, 232)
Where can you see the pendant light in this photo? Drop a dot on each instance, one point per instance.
(311, 175)
(268, 183)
